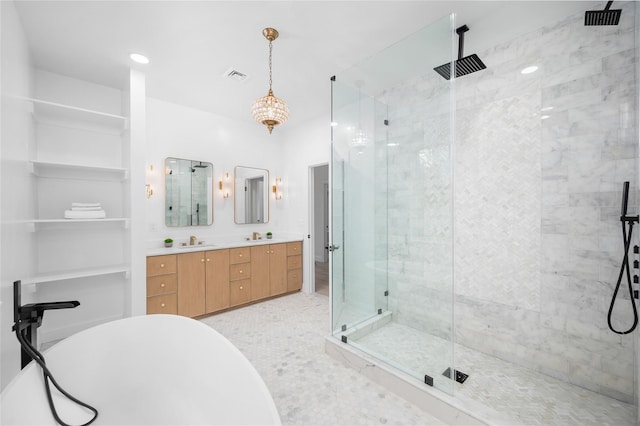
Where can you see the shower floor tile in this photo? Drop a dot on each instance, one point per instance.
(528, 397)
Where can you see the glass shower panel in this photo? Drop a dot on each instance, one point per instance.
(392, 205)
(358, 226)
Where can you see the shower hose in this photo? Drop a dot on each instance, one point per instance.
(39, 359)
(625, 266)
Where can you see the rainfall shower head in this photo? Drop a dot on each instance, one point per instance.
(201, 166)
(464, 65)
(602, 17)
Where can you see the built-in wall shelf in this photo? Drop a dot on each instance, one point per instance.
(61, 114)
(76, 273)
(37, 223)
(77, 171)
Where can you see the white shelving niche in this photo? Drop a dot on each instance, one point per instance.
(80, 155)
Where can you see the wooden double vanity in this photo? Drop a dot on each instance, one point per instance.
(210, 280)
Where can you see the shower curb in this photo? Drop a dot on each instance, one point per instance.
(455, 411)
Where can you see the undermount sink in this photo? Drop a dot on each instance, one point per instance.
(197, 246)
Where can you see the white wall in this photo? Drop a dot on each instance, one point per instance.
(17, 185)
(178, 131)
(307, 144)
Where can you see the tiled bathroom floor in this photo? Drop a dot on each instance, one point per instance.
(284, 339)
(528, 397)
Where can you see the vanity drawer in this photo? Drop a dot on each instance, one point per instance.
(163, 304)
(239, 255)
(294, 280)
(162, 284)
(160, 265)
(239, 271)
(294, 262)
(239, 292)
(294, 248)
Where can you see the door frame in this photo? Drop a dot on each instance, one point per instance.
(311, 224)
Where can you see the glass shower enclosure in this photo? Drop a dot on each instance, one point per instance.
(392, 234)
(476, 241)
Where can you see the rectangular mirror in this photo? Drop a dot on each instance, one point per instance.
(251, 193)
(188, 192)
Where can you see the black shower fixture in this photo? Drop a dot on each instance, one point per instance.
(602, 17)
(464, 65)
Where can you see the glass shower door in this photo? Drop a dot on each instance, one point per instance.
(392, 206)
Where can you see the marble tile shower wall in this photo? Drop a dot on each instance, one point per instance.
(537, 237)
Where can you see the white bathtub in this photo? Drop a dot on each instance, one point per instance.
(146, 370)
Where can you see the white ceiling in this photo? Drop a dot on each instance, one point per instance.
(192, 43)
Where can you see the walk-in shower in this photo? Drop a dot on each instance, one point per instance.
(476, 235)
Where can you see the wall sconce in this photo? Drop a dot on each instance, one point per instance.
(277, 189)
(148, 185)
(225, 185)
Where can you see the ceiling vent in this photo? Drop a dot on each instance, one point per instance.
(234, 75)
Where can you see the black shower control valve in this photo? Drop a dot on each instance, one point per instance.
(635, 294)
(636, 279)
(636, 264)
(636, 249)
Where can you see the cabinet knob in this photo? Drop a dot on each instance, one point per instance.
(295, 248)
(208, 260)
(241, 287)
(202, 260)
(241, 273)
(162, 285)
(240, 255)
(162, 305)
(162, 265)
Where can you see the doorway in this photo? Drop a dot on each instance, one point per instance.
(319, 227)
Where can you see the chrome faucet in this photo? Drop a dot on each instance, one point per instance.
(192, 240)
(257, 236)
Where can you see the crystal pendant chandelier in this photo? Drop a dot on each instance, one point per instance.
(270, 110)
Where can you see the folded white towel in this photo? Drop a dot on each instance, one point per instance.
(85, 204)
(85, 209)
(96, 214)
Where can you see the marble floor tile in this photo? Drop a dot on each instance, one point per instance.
(527, 397)
(284, 339)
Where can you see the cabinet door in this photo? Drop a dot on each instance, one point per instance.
(278, 268)
(191, 284)
(259, 272)
(217, 271)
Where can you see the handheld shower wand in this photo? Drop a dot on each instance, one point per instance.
(625, 220)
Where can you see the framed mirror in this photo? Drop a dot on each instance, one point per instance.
(251, 194)
(188, 192)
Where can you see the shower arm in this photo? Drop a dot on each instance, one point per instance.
(460, 31)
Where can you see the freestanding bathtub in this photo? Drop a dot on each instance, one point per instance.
(146, 370)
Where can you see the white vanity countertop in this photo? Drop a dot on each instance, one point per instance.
(145, 370)
(177, 249)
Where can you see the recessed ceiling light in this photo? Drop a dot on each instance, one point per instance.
(549, 108)
(334, 124)
(544, 117)
(141, 59)
(529, 70)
